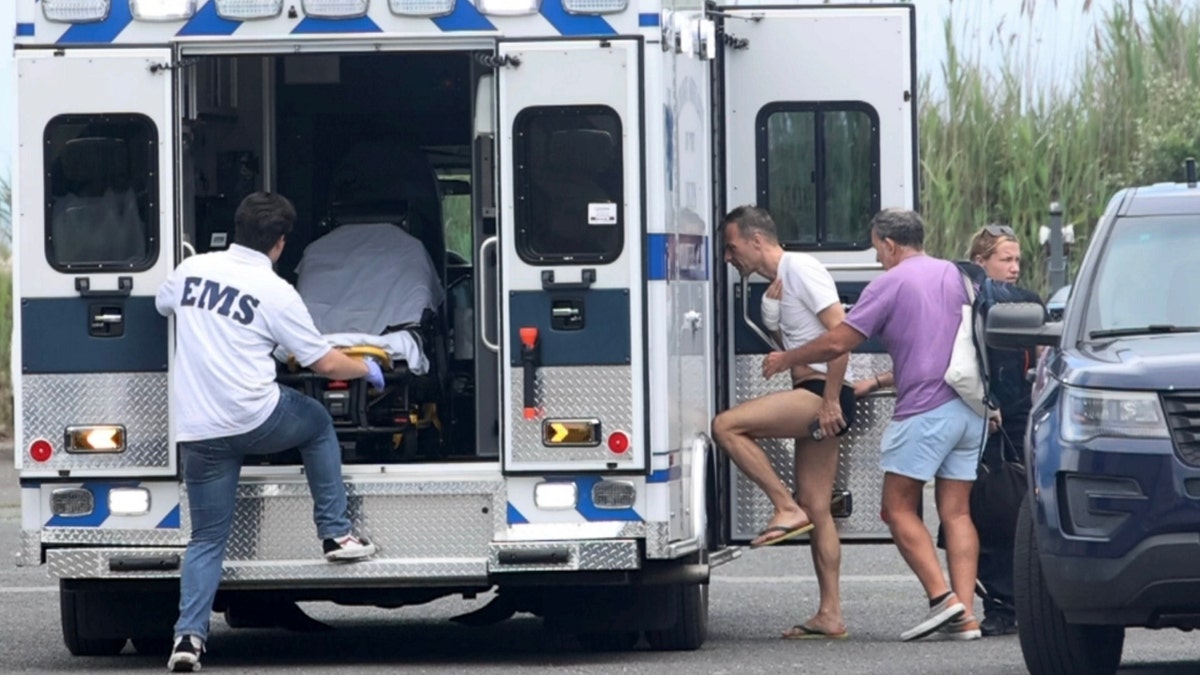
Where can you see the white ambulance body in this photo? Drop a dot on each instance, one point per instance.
(565, 164)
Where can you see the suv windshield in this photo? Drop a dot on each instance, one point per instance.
(1146, 279)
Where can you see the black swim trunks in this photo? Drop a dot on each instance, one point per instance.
(846, 398)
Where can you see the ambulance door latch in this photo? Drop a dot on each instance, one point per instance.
(106, 320)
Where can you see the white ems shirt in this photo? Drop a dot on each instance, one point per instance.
(231, 310)
(808, 290)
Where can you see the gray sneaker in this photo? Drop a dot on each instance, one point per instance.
(963, 628)
(939, 615)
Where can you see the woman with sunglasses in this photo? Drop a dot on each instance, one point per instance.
(996, 249)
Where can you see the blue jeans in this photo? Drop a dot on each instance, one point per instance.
(211, 469)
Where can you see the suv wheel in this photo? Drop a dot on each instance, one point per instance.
(1050, 645)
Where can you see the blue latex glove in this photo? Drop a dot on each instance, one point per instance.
(374, 376)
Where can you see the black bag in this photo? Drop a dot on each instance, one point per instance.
(996, 496)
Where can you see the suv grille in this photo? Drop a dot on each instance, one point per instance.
(1183, 417)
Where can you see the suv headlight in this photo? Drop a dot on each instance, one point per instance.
(1088, 413)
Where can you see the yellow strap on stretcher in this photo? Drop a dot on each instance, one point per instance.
(360, 351)
(367, 350)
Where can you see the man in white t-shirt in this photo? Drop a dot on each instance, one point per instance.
(231, 310)
(800, 304)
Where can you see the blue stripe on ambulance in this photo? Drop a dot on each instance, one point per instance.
(573, 24)
(464, 17)
(656, 257)
(692, 250)
(310, 26)
(648, 20)
(207, 22)
(170, 521)
(101, 32)
(667, 475)
(515, 517)
(25, 30)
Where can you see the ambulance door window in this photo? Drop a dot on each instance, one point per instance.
(819, 172)
(568, 168)
(101, 190)
(791, 168)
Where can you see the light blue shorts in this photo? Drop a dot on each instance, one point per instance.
(944, 442)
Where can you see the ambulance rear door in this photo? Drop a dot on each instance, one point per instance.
(571, 337)
(820, 129)
(94, 238)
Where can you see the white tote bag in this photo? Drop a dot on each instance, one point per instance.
(963, 374)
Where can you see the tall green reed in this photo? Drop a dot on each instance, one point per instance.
(997, 147)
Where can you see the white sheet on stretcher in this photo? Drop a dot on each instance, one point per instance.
(400, 346)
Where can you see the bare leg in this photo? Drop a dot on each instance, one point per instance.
(816, 469)
(901, 500)
(784, 414)
(962, 542)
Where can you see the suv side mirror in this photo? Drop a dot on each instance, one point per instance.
(1020, 325)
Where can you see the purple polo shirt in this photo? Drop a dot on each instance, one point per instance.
(914, 309)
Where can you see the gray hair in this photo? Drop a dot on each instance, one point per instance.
(751, 219)
(902, 226)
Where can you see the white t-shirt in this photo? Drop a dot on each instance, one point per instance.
(808, 290)
(231, 310)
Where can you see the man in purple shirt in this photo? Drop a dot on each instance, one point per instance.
(915, 308)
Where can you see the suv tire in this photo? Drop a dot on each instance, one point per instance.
(1051, 645)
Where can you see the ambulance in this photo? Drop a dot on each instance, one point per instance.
(543, 443)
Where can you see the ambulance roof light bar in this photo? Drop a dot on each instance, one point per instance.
(430, 8)
(594, 6)
(509, 7)
(335, 9)
(76, 11)
(241, 10)
(162, 10)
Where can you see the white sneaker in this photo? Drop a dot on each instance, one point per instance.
(347, 549)
(939, 615)
(185, 654)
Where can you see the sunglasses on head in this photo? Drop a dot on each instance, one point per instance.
(1000, 231)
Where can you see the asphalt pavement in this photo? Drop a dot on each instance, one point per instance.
(751, 600)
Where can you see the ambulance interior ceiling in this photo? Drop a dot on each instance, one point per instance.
(327, 104)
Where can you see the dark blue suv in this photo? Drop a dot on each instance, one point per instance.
(1109, 535)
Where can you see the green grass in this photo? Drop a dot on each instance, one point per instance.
(995, 148)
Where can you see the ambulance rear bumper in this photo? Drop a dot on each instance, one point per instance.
(494, 563)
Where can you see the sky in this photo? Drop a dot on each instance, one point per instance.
(1049, 47)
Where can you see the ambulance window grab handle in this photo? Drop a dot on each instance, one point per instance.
(486, 299)
(83, 286)
(763, 335)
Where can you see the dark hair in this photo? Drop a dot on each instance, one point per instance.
(751, 219)
(902, 226)
(261, 219)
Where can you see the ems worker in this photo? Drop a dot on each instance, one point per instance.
(231, 310)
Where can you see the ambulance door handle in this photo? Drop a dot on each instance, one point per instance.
(587, 277)
(745, 292)
(83, 286)
(486, 299)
